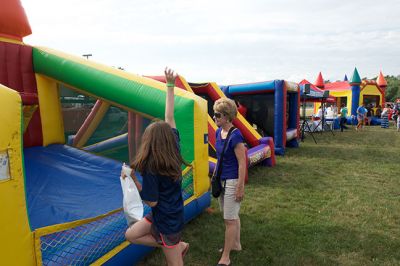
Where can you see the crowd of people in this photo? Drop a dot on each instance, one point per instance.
(365, 114)
(387, 114)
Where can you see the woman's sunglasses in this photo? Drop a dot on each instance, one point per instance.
(218, 115)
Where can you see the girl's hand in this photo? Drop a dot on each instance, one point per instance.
(123, 175)
(239, 194)
(170, 76)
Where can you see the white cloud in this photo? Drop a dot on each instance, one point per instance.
(225, 41)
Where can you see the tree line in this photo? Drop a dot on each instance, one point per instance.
(393, 88)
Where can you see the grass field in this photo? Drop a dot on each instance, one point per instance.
(332, 203)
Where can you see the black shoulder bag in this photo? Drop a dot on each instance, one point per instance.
(216, 186)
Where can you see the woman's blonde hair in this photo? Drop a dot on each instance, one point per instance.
(158, 152)
(227, 107)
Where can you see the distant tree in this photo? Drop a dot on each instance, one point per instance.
(393, 88)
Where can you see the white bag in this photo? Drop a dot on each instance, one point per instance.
(132, 203)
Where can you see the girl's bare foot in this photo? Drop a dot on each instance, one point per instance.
(185, 249)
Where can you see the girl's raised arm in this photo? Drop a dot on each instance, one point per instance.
(170, 77)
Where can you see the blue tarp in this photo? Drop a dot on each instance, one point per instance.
(65, 184)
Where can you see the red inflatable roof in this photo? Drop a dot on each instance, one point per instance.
(338, 86)
(320, 81)
(381, 81)
(13, 21)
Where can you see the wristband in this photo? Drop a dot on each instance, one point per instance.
(170, 84)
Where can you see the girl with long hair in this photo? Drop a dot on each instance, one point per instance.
(159, 162)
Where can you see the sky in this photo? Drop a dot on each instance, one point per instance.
(225, 41)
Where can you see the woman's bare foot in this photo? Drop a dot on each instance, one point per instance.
(239, 248)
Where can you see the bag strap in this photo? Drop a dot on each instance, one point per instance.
(219, 166)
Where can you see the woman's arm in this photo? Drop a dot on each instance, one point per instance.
(240, 152)
(170, 77)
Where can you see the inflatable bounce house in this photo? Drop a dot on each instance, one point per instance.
(271, 106)
(355, 92)
(59, 204)
(261, 149)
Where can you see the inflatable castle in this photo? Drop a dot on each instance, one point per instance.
(60, 204)
(354, 92)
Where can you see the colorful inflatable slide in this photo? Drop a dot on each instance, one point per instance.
(273, 106)
(261, 148)
(61, 205)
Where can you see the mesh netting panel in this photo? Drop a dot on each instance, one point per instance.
(187, 184)
(83, 245)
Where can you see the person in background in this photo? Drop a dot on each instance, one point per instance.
(398, 123)
(378, 111)
(343, 117)
(390, 112)
(361, 111)
(334, 109)
(232, 176)
(396, 115)
(370, 112)
(385, 117)
(159, 162)
(317, 119)
(319, 113)
(329, 108)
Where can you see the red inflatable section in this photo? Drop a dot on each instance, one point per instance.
(16, 72)
(13, 21)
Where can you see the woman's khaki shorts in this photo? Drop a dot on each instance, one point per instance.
(229, 206)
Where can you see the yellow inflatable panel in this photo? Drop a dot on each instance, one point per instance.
(200, 182)
(50, 110)
(16, 243)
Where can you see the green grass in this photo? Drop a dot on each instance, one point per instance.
(332, 203)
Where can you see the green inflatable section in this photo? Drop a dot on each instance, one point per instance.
(132, 95)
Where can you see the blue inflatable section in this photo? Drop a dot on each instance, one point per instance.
(64, 184)
(355, 99)
(275, 114)
(267, 86)
(279, 113)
